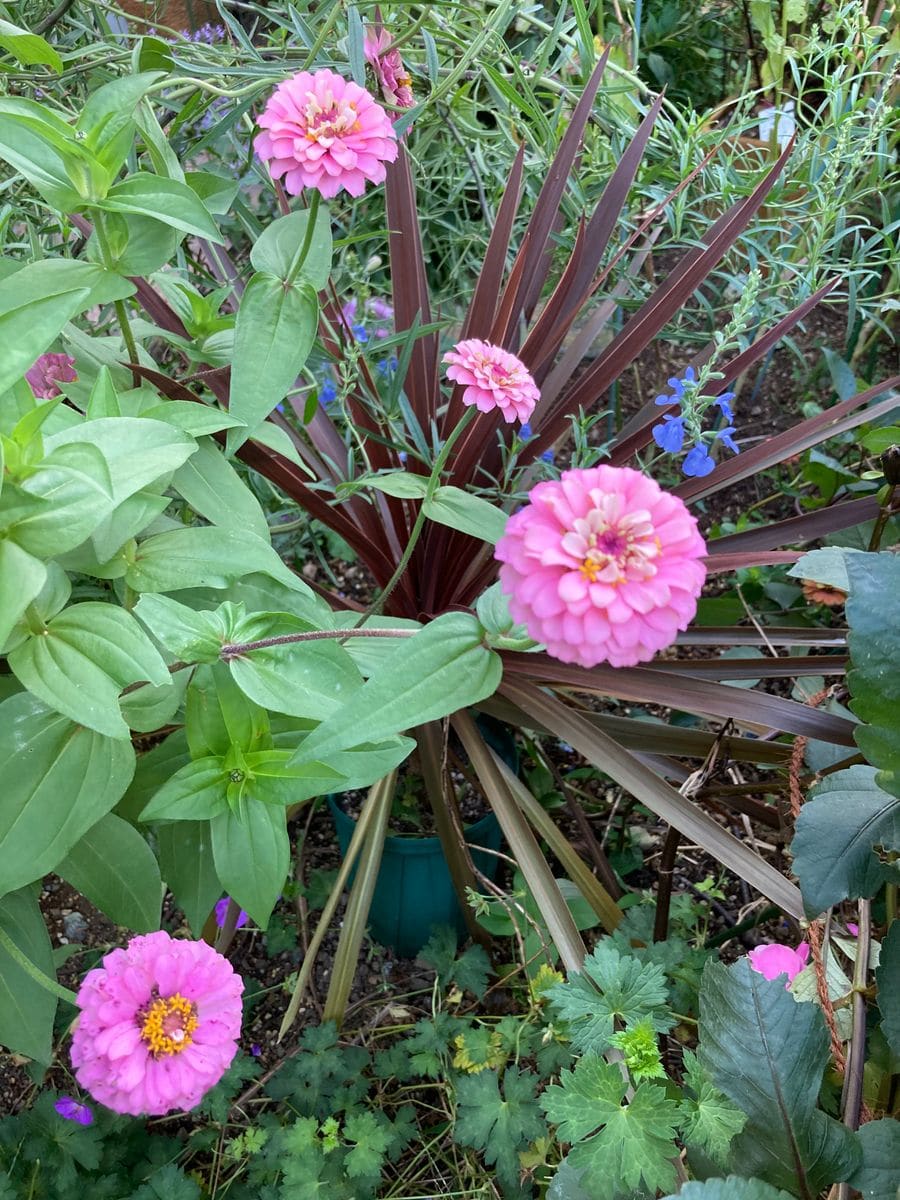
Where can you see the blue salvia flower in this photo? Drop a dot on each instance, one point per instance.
(724, 436)
(327, 392)
(359, 332)
(724, 404)
(697, 462)
(525, 432)
(547, 456)
(669, 434)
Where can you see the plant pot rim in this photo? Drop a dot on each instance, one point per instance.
(413, 843)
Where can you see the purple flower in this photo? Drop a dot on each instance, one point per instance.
(698, 462)
(724, 403)
(359, 332)
(386, 365)
(381, 309)
(348, 312)
(547, 456)
(256, 1049)
(669, 434)
(853, 929)
(724, 436)
(69, 1107)
(222, 909)
(525, 432)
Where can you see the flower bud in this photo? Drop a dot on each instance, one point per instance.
(890, 464)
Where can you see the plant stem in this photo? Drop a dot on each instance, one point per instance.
(22, 960)
(300, 257)
(853, 1080)
(881, 521)
(234, 649)
(119, 305)
(433, 484)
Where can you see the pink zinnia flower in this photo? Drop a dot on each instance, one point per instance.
(327, 133)
(602, 565)
(493, 378)
(158, 1027)
(774, 960)
(49, 370)
(393, 78)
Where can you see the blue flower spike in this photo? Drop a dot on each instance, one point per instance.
(669, 434)
(698, 462)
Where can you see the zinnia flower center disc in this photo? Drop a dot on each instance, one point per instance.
(167, 1024)
(613, 549)
(329, 119)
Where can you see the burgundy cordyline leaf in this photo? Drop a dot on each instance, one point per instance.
(646, 685)
(754, 668)
(798, 529)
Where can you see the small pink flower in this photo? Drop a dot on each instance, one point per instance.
(393, 78)
(602, 565)
(324, 132)
(68, 1107)
(774, 960)
(853, 929)
(158, 1027)
(493, 378)
(49, 370)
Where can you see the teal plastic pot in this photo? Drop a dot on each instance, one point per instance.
(414, 890)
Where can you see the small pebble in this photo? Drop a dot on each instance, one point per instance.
(75, 927)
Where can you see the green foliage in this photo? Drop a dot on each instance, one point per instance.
(887, 977)
(732, 1188)
(876, 1176)
(611, 988)
(768, 1053)
(614, 1145)
(847, 816)
(709, 1119)
(874, 643)
(499, 1121)
(469, 970)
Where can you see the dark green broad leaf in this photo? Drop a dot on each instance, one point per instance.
(732, 1188)
(874, 644)
(166, 200)
(360, 766)
(443, 668)
(215, 491)
(26, 1008)
(21, 578)
(59, 779)
(115, 868)
(205, 556)
(186, 863)
(301, 679)
(135, 245)
(469, 514)
(878, 1175)
(847, 815)
(498, 1123)
(252, 856)
(220, 716)
(274, 333)
(278, 248)
(887, 976)
(28, 48)
(83, 658)
(768, 1053)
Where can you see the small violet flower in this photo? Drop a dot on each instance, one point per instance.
(359, 332)
(525, 432)
(853, 929)
(69, 1107)
(327, 393)
(724, 436)
(669, 434)
(774, 960)
(256, 1049)
(697, 462)
(547, 456)
(221, 911)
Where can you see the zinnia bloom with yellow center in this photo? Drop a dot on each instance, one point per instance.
(325, 132)
(602, 565)
(158, 1027)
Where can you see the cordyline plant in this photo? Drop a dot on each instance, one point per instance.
(140, 595)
